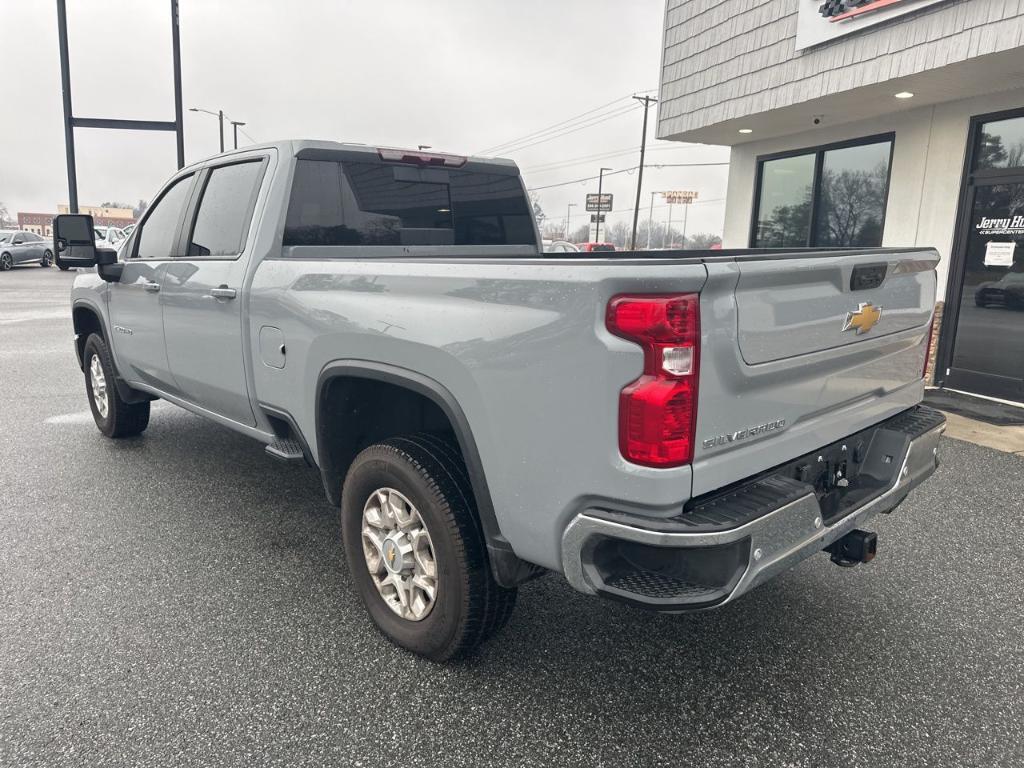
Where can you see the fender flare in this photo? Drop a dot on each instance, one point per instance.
(508, 569)
(126, 393)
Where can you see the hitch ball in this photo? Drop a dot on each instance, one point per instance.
(854, 548)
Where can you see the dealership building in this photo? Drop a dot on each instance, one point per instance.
(872, 123)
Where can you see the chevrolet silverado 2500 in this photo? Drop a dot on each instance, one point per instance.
(669, 428)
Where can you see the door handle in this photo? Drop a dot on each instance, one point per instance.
(223, 292)
(151, 287)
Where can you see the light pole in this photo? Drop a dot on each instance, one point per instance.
(219, 114)
(668, 230)
(600, 185)
(568, 213)
(422, 147)
(234, 128)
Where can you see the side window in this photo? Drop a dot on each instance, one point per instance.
(225, 210)
(18, 239)
(159, 232)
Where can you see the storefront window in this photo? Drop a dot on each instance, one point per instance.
(851, 198)
(1001, 144)
(828, 197)
(785, 202)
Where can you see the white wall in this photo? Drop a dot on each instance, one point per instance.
(927, 164)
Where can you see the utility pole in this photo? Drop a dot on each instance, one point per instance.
(686, 215)
(650, 221)
(668, 230)
(234, 126)
(600, 185)
(568, 214)
(647, 100)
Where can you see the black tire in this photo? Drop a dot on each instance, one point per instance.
(63, 268)
(121, 419)
(6, 262)
(47, 260)
(470, 605)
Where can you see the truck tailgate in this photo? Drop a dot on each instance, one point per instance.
(801, 350)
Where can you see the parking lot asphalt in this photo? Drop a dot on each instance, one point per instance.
(182, 599)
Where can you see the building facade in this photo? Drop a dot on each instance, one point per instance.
(867, 123)
(42, 223)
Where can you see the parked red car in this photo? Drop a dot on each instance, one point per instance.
(588, 247)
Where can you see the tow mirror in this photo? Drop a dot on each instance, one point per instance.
(74, 241)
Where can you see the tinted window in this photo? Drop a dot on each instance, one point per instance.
(846, 200)
(159, 232)
(1001, 144)
(784, 206)
(378, 204)
(225, 210)
(851, 198)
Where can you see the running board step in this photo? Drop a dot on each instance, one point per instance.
(286, 449)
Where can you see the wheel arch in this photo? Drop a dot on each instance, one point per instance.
(508, 569)
(88, 319)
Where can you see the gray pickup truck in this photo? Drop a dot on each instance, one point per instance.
(670, 429)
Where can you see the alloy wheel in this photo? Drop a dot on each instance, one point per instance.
(399, 554)
(99, 386)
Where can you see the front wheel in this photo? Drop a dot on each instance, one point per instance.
(113, 416)
(416, 550)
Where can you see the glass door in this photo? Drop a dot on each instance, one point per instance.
(988, 352)
(987, 355)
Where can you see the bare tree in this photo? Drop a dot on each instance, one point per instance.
(581, 234)
(702, 241)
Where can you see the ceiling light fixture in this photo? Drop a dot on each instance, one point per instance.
(904, 95)
(746, 130)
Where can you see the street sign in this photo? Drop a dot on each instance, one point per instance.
(679, 197)
(596, 217)
(599, 203)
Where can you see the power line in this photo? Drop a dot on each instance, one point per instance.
(625, 170)
(498, 147)
(582, 160)
(596, 120)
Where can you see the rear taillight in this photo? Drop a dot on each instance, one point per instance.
(658, 411)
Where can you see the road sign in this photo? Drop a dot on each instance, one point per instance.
(599, 203)
(679, 197)
(596, 217)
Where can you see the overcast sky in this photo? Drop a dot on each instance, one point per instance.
(460, 75)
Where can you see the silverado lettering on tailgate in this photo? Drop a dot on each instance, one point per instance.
(743, 434)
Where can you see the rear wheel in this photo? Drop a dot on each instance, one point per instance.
(6, 262)
(416, 550)
(47, 260)
(113, 416)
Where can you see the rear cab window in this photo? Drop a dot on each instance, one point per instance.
(372, 202)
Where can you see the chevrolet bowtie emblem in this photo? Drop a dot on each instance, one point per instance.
(864, 319)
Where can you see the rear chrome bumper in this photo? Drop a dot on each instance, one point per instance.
(645, 561)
